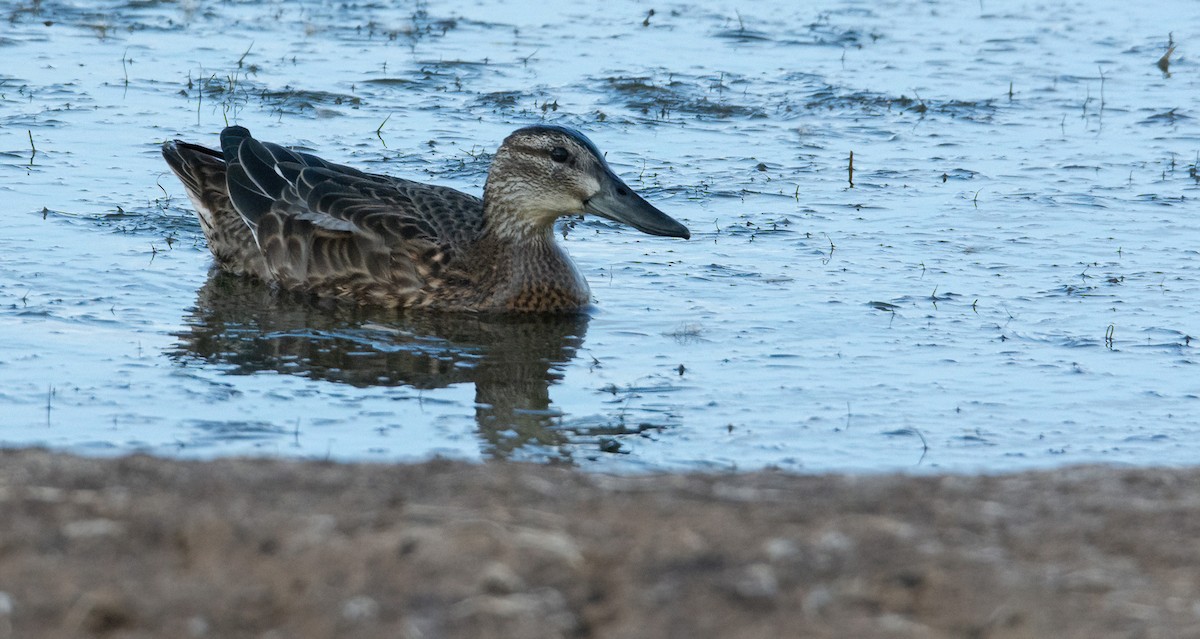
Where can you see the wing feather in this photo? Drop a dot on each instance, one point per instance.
(321, 225)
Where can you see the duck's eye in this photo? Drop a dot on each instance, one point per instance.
(559, 154)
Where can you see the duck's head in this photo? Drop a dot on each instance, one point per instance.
(541, 173)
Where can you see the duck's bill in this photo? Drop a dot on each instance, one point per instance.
(619, 203)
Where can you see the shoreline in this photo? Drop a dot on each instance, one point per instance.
(140, 546)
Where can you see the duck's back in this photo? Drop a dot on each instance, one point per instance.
(327, 228)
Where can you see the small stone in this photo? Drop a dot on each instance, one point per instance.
(46, 494)
(895, 624)
(314, 532)
(779, 548)
(551, 543)
(360, 608)
(197, 627)
(105, 612)
(757, 582)
(499, 579)
(545, 607)
(90, 528)
(836, 542)
(816, 601)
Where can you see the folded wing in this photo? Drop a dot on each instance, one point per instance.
(325, 226)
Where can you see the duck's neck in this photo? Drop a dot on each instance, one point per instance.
(502, 220)
(527, 269)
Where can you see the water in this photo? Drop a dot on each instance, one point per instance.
(1009, 283)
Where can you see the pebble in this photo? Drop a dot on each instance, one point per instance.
(197, 626)
(500, 579)
(552, 543)
(757, 582)
(91, 528)
(360, 608)
(779, 548)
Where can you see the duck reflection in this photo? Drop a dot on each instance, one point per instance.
(248, 327)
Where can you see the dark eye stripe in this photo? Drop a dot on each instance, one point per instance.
(559, 154)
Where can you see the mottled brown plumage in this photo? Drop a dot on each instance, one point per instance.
(309, 225)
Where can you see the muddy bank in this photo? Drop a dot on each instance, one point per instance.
(145, 547)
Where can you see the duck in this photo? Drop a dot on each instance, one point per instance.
(304, 224)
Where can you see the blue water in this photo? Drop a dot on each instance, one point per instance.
(1009, 282)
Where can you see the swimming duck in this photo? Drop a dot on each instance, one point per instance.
(309, 225)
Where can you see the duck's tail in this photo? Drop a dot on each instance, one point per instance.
(203, 173)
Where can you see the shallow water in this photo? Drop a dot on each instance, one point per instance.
(1009, 281)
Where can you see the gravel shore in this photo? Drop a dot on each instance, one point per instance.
(147, 547)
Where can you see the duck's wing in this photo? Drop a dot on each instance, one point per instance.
(325, 226)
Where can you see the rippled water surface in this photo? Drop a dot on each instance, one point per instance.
(1007, 278)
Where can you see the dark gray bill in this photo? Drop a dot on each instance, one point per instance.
(619, 203)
